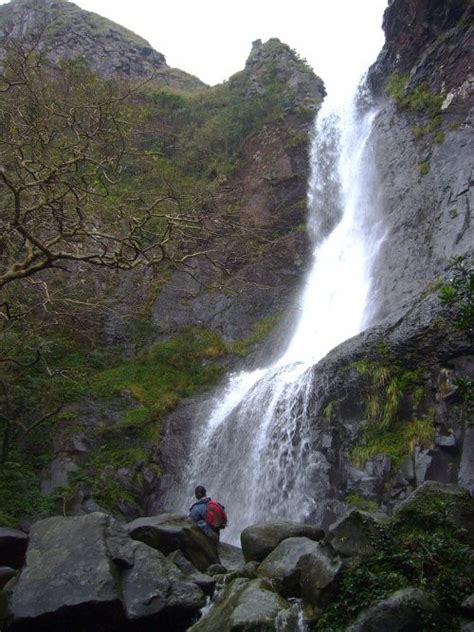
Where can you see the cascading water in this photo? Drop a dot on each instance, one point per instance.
(254, 452)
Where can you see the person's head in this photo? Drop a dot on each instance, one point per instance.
(200, 492)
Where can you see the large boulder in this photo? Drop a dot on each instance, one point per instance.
(283, 565)
(245, 606)
(172, 532)
(86, 573)
(68, 580)
(155, 592)
(406, 609)
(260, 539)
(355, 534)
(320, 575)
(434, 502)
(13, 545)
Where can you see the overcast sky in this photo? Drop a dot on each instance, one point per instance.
(212, 38)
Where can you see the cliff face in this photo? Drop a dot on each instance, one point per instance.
(423, 145)
(65, 31)
(240, 152)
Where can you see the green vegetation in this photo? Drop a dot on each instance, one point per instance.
(395, 417)
(424, 167)
(423, 548)
(458, 294)
(260, 331)
(420, 100)
(358, 502)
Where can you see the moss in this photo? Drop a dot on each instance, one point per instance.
(260, 331)
(354, 500)
(20, 493)
(420, 549)
(423, 167)
(389, 429)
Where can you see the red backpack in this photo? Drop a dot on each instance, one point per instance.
(215, 516)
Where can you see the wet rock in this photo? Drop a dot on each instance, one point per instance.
(354, 535)
(404, 610)
(216, 569)
(260, 539)
(244, 606)
(156, 592)
(320, 575)
(283, 564)
(422, 461)
(171, 532)
(13, 545)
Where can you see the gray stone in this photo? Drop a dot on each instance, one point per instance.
(422, 461)
(404, 610)
(205, 582)
(154, 590)
(171, 532)
(260, 539)
(353, 535)
(68, 576)
(467, 627)
(283, 564)
(231, 556)
(320, 575)
(13, 545)
(245, 606)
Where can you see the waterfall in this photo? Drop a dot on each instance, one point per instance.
(254, 452)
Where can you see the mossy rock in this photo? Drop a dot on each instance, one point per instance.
(436, 504)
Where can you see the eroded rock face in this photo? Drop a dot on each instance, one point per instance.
(423, 152)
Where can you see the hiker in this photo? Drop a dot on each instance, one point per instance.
(208, 514)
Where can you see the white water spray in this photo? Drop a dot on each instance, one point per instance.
(255, 452)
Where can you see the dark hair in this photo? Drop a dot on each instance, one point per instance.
(200, 491)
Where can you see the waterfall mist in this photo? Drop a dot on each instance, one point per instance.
(254, 451)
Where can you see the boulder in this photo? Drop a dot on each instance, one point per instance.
(406, 609)
(6, 573)
(320, 575)
(260, 539)
(231, 556)
(205, 582)
(283, 565)
(433, 502)
(245, 606)
(155, 592)
(13, 545)
(353, 535)
(68, 580)
(172, 532)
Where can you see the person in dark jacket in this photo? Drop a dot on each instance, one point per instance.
(197, 513)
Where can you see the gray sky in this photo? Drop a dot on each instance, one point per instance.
(212, 38)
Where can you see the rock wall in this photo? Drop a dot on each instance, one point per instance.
(423, 145)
